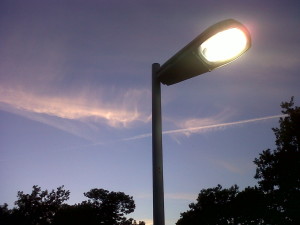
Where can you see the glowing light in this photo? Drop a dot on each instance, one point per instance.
(224, 45)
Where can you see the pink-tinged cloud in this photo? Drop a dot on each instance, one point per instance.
(199, 129)
(229, 166)
(122, 113)
(206, 128)
(186, 126)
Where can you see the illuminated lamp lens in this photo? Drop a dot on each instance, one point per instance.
(224, 45)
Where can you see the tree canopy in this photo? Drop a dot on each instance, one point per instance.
(276, 199)
(42, 207)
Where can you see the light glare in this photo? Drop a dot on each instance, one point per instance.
(224, 45)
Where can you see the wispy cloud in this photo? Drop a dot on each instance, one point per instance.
(229, 166)
(60, 111)
(206, 128)
(186, 124)
(220, 125)
(122, 113)
(85, 114)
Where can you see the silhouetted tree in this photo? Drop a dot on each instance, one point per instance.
(227, 207)
(102, 208)
(250, 207)
(39, 207)
(111, 206)
(278, 170)
(140, 223)
(77, 214)
(5, 214)
(275, 201)
(213, 206)
(44, 208)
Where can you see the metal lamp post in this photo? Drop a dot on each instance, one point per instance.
(218, 45)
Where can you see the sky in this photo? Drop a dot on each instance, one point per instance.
(75, 97)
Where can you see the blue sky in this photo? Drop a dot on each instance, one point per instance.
(75, 96)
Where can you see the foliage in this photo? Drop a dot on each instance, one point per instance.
(103, 207)
(39, 207)
(43, 208)
(77, 214)
(5, 214)
(213, 207)
(276, 199)
(249, 207)
(278, 171)
(111, 206)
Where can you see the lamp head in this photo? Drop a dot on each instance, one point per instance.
(218, 45)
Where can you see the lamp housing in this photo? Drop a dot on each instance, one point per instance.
(217, 46)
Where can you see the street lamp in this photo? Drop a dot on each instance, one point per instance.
(217, 46)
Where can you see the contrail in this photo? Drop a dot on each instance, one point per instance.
(190, 129)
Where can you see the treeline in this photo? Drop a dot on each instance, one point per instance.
(276, 198)
(42, 207)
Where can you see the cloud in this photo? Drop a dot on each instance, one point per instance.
(79, 114)
(229, 166)
(187, 124)
(220, 125)
(199, 129)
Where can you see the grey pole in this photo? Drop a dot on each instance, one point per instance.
(157, 156)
